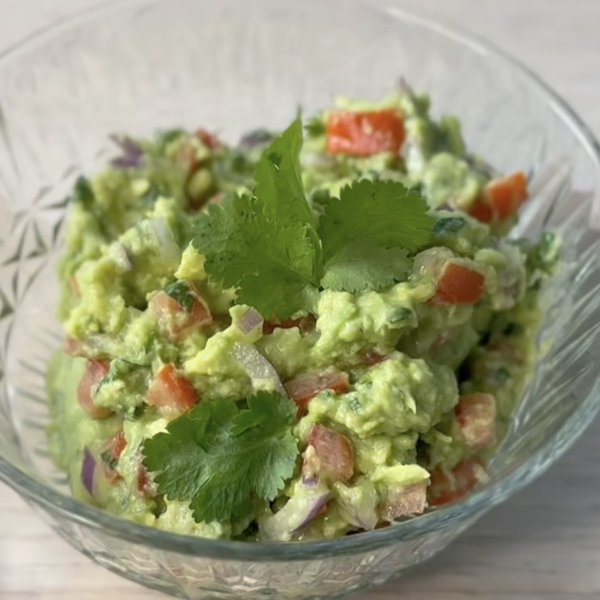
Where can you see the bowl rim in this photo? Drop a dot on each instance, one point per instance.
(465, 510)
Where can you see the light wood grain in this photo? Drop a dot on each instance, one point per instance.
(542, 544)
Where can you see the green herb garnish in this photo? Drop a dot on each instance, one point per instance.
(221, 458)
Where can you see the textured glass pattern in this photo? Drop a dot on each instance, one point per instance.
(233, 65)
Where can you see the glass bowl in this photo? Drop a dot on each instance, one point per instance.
(233, 65)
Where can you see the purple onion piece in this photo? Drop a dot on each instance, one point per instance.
(88, 471)
(257, 138)
(263, 374)
(310, 481)
(314, 511)
(250, 320)
(301, 509)
(132, 153)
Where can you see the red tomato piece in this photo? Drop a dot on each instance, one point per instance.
(481, 211)
(305, 324)
(208, 139)
(115, 448)
(305, 387)
(145, 484)
(73, 347)
(476, 419)
(458, 284)
(364, 133)
(95, 370)
(333, 453)
(506, 194)
(447, 486)
(174, 319)
(411, 500)
(172, 393)
(372, 357)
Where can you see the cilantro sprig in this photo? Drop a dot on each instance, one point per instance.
(272, 249)
(220, 458)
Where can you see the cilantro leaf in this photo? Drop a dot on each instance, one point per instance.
(180, 292)
(383, 213)
(269, 264)
(220, 459)
(263, 409)
(279, 179)
(361, 265)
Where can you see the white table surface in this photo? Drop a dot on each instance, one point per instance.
(542, 544)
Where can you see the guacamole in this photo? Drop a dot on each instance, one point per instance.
(305, 335)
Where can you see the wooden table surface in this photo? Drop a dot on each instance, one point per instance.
(542, 544)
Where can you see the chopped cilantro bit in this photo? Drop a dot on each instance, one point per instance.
(180, 292)
(448, 225)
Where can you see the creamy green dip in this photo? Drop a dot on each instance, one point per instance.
(402, 392)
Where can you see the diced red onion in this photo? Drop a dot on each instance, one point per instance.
(257, 138)
(310, 480)
(164, 236)
(299, 512)
(263, 374)
(88, 471)
(250, 320)
(132, 153)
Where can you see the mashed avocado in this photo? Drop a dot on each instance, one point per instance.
(293, 338)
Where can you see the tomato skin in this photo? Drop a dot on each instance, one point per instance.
(208, 139)
(174, 319)
(364, 133)
(172, 393)
(506, 194)
(476, 420)
(95, 371)
(481, 211)
(458, 284)
(333, 454)
(447, 487)
(501, 198)
(305, 387)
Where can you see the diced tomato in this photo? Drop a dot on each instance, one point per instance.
(481, 211)
(476, 419)
(333, 453)
(506, 194)
(305, 324)
(95, 371)
(145, 485)
(172, 393)
(458, 284)
(117, 444)
(372, 357)
(73, 347)
(174, 319)
(208, 139)
(305, 387)
(113, 452)
(409, 501)
(364, 133)
(447, 487)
